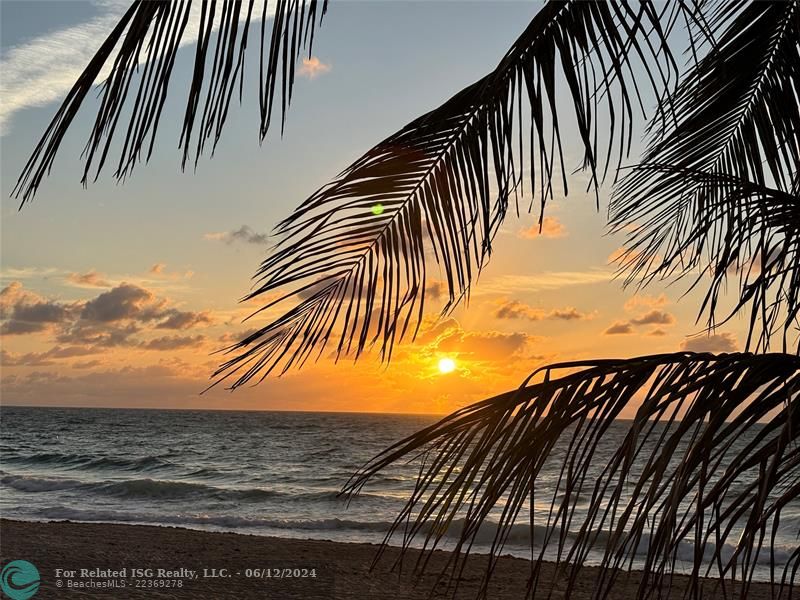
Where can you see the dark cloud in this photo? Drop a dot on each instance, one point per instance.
(435, 290)
(514, 309)
(244, 234)
(22, 327)
(652, 317)
(619, 328)
(107, 335)
(721, 342)
(131, 302)
(126, 301)
(114, 318)
(24, 312)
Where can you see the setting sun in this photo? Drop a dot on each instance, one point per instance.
(447, 365)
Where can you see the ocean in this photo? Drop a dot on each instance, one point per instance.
(265, 473)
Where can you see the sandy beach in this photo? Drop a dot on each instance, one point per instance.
(203, 564)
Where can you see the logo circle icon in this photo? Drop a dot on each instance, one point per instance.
(19, 580)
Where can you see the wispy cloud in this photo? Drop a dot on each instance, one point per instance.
(549, 280)
(90, 279)
(42, 70)
(244, 234)
(638, 300)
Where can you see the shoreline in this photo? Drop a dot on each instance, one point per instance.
(246, 565)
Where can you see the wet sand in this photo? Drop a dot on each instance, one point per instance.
(200, 564)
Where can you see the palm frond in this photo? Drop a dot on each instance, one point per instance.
(719, 185)
(135, 64)
(709, 462)
(362, 242)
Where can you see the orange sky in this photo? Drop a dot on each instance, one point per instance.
(117, 295)
(145, 340)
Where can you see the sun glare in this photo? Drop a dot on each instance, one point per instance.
(447, 365)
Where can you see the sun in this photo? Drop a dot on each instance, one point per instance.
(447, 365)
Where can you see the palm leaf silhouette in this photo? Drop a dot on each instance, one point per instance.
(718, 186)
(140, 55)
(697, 468)
(712, 455)
(356, 251)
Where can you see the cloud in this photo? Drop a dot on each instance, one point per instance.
(43, 359)
(654, 317)
(549, 280)
(431, 331)
(312, 68)
(107, 335)
(484, 346)
(244, 234)
(43, 69)
(567, 314)
(115, 316)
(159, 271)
(619, 328)
(651, 317)
(126, 301)
(87, 364)
(21, 328)
(132, 302)
(174, 342)
(720, 342)
(31, 359)
(89, 279)
(25, 312)
(638, 300)
(110, 319)
(550, 228)
(448, 337)
(435, 290)
(514, 309)
(178, 319)
(229, 338)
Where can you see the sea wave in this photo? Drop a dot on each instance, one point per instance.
(89, 461)
(519, 536)
(158, 489)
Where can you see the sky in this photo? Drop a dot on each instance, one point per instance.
(118, 295)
